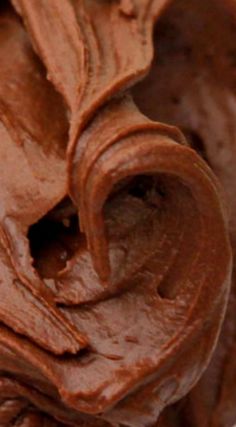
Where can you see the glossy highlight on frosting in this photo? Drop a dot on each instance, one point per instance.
(115, 261)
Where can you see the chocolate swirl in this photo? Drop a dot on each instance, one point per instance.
(124, 325)
(198, 95)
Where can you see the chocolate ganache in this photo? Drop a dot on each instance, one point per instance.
(115, 262)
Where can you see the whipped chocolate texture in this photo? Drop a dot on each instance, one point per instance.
(115, 258)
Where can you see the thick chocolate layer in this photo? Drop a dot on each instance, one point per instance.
(115, 260)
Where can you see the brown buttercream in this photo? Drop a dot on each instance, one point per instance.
(108, 319)
(193, 74)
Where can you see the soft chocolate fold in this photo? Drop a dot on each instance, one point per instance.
(33, 137)
(193, 74)
(119, 315)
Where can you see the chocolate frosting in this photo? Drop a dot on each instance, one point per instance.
(115, 262)
(202, 103)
